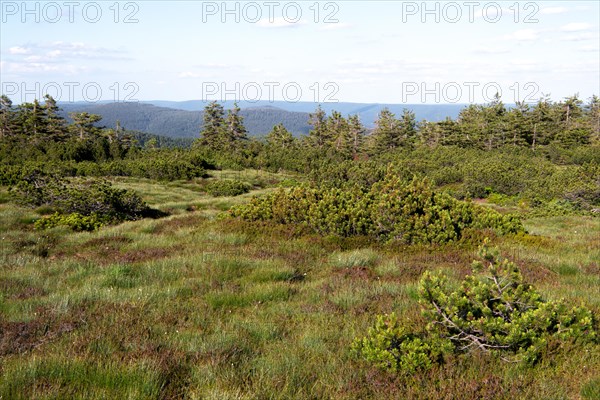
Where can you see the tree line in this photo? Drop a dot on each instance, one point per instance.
(567, 123)
(224, 139)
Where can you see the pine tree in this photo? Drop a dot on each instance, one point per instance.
(495, 132)
(339, 132)
(83, 124)
(451, 134)
(235, 131)
(318, 137)
(408, 127)
(30, 119)
(280, 137)
(6, 117)
(387, 134)
(520, 126)
(213, 126)
(356, 134)
(472, 125)
(55, 126)
(592, 113)
(543, 122)
(572, 110)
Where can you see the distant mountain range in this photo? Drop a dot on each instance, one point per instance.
(180, 123)
(183, 119)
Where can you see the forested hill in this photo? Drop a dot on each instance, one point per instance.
(367, 112)
(183, 119)
(182, 123)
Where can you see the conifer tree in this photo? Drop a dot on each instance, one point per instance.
(520, 124)
(235, 131)
(408, 128)
(55, 125)
(592, 112)
(318, 137)
(213, 125)
(387, 134)
(6, 117)
(83, 124)
(280, 137)
(356, 134)
(339, 132)
(30, 118)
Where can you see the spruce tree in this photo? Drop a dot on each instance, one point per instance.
(55, 126)
(387, 134)
(280, 137)
(339, 132)
(318, 137)
(83, 124)
(235, 132)
(213, 126)
(356, 135)
(6, 117)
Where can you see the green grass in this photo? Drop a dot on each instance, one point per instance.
(191, 306)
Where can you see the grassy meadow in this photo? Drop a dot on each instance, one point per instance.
(199, 307)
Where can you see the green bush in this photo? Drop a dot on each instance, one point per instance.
(391, 346)
(390, 210)
(226, 187)
(493, 312)
(75, 221)
(84, 198)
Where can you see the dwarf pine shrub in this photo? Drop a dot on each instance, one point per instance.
(390, 210)
(494, 311)
(226, 187)
(80, 204)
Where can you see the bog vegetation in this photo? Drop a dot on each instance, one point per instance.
(334, 265)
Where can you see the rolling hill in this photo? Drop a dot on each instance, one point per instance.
(183, 123)
(184, 119)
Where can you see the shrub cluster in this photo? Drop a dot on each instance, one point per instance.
(167, 165)
(494, 312)
(524, 175)
(79, 204)
(75, 221)
(226, 187)
(390, 210)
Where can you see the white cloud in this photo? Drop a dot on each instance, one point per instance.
(36, 67)
(523, 35)
(591, 48)
(189, 74)
(578, 37)
(57, 51)
(576, 27)
(212, 66)
(554, 10)
(490, 50)
(279, 22)
(523, 65)
(335, 27)
(18, 50)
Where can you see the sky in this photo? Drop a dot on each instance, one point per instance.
(318, 51)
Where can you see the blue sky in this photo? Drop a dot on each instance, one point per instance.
(352, 51)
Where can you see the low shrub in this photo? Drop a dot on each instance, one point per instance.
(79, 203)
(494, 312)
(390, 210)
(226, 187)
(75, 221)
(391, 346)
